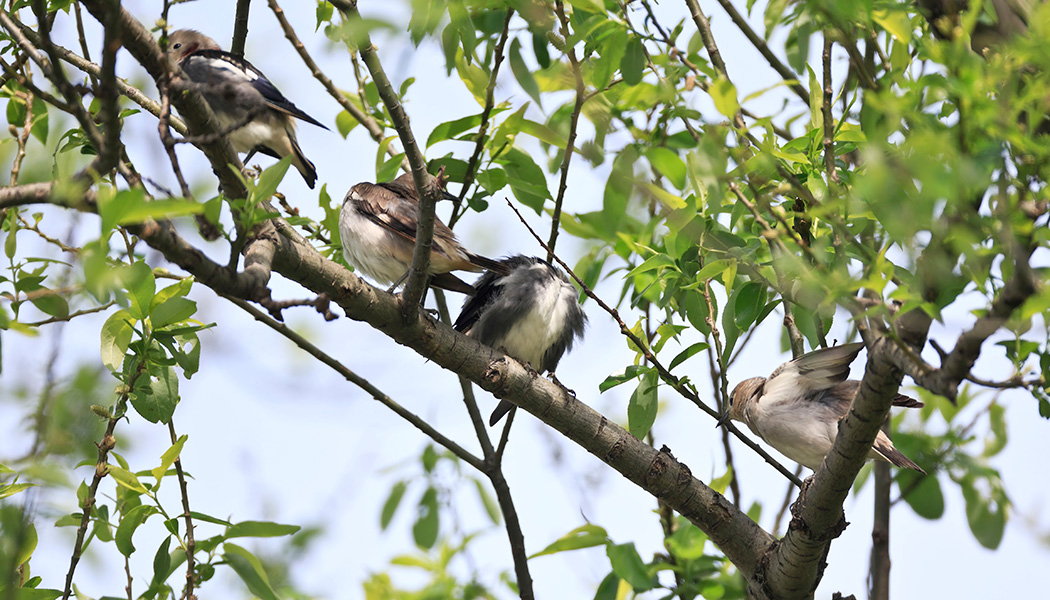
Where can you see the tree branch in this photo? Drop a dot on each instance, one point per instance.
(428, 194)
(374, 129)
(240, 28)
(789, 77)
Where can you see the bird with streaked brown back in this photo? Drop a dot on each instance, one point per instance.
(377, 225)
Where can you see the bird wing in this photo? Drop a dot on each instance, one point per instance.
(239, 68)
(401, 204)
(488, 291)
(816, 371)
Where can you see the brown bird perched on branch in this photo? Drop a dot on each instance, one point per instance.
(377, 225)
(797, 409)
(254, 113)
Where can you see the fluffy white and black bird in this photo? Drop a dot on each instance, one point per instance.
(531, 314)
(377, 225)
(797, 409)
(243, 100)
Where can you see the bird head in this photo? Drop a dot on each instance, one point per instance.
(184, 42)
(745, 392)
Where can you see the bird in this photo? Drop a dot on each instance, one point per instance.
(530, 313)
(797, 409)
(254, 112)
(377, 225)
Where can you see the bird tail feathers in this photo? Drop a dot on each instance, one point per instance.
(501, 409)
(306, 168)
(448, 281)
(497, 267)
(906, 402)
(884, 448)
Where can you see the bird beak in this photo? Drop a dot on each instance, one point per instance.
(447, 196)
(722, 420)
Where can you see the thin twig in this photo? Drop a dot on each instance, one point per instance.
(428, 194)
(486, 113)
(304, 344)
(240, 28)
(789, 77)
(574, 120)
(825, 109)
(187, 593)
(108, 442)
(374, 128)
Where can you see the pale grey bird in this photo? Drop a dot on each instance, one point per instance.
(797, 409)
(531, 314)
(377, 225)
(244, 100)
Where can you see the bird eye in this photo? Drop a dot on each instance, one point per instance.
(177, 46)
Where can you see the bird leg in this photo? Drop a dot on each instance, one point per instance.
(400, 280)
(560, 384)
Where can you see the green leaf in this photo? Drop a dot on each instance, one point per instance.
(173, 310)
(450, 129)
(125, 478)
(116, 337)
(490, 504)
(11, 489)
(748, 304)
(250, 570)
(668, 164)
(584, 536)
(688, 353)
(896, 22)
(642, 408)
(628, 374)
(345, 123)
(526, 179)
(27, 546)
(389, 168)
(723, 93)
(141, 286)
(687, 542)
(260, 529)
(128, 524)
(721, 483)
(391, 504)
(27, 593)
(594, 6)
(543, 133)
(161, 563)
(523, 73)
(633, 62)
(425, 529)
(922, 493)
(474, 78)
(168, 458)
(609, 588)
(997, 422)
(325, 10)
(51, 304)
(158, 210)
(269, 179)
(629, 566)
(156, 401)
(986, 521)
